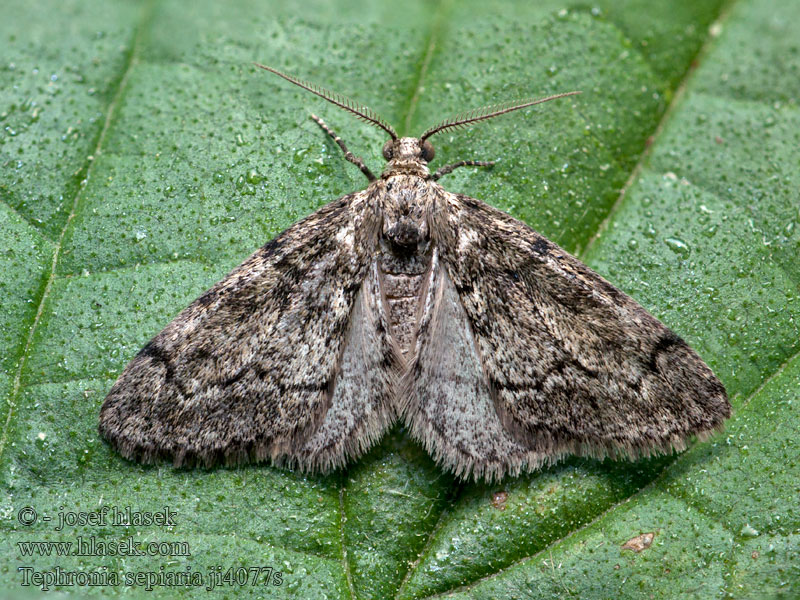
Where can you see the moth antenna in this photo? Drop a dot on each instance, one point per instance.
(362, 112)
(487, 112)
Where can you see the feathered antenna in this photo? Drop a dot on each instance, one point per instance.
(362, 112)
(487, 112)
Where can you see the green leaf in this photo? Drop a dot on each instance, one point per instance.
(144, 156)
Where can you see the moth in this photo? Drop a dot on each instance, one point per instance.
(498, 350)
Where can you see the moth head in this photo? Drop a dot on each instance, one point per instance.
(408, 148)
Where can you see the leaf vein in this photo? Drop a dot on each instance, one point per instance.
(17, 381)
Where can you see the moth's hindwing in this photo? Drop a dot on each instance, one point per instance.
(269, 363)
(525, 354)
(450, 409)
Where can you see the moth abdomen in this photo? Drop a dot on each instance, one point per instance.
(403, 283)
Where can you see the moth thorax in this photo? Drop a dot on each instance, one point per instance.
(404, 235)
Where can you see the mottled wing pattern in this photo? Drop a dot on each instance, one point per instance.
(275, 362)
(569, 363)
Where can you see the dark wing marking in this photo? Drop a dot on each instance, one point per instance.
(250, 370)
(572, 364)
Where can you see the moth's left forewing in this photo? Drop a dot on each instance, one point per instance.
(572, 364)
(286, 359)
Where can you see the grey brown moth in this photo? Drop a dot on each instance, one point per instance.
(498, 350)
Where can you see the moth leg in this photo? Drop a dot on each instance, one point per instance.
(464, 163)
(347, 154)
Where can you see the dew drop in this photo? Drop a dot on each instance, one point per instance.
(678, 246)
(749, 531)
(710, 231)
(300, 154)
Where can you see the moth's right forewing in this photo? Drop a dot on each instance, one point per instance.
(249, 370)
(573, 365)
